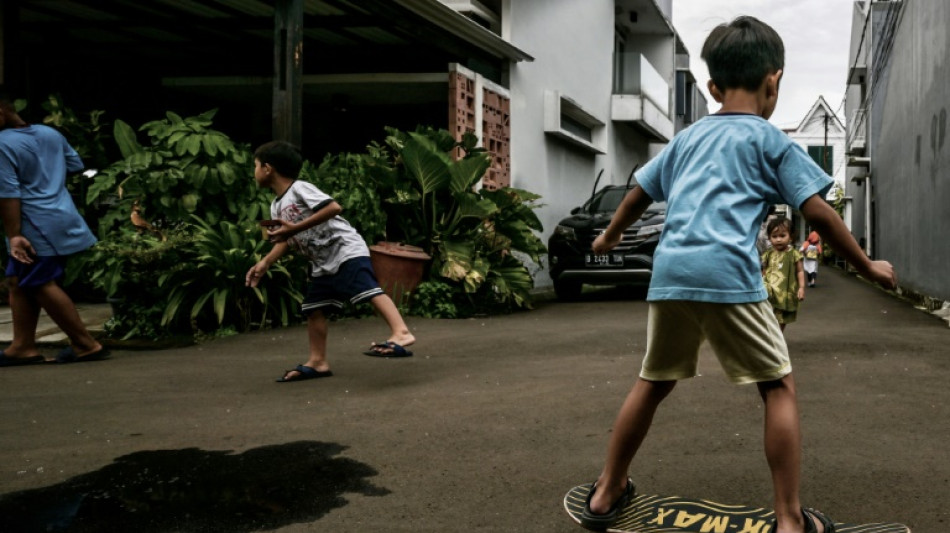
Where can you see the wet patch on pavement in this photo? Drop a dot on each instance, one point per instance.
(195, 490)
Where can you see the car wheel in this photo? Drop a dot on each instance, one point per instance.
(567, 290)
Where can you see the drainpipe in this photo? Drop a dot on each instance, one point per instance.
(867, 215)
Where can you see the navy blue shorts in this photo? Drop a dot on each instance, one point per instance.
(355, 282)
(42, 271)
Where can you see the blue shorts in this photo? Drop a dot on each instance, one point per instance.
(354, 282)
(42, 271)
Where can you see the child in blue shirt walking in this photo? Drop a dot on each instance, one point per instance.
(718, 178)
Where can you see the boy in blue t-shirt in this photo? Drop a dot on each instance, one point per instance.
(718, 178)
(43, 228)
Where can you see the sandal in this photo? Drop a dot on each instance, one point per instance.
(304, 373)
(810, 527)
(600, 522)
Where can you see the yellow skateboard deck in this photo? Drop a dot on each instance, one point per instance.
(673, 514)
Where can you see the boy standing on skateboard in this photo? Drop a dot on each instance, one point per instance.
(307, 219)
(718, 178)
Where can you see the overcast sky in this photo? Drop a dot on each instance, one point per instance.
(816, 33)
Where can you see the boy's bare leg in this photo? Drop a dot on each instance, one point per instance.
(26, 315)
(61, 309)
(783, 443)
(399, 332)
(630, 428)
(317, 336)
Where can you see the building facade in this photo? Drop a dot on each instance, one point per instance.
(556, 90)
(898, 151)
(608, 87)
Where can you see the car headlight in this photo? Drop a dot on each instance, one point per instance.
(565, 232)
(648, 231)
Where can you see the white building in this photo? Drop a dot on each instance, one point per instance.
(609, 85)
(822, 135)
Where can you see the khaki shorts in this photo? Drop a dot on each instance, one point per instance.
(745, 337)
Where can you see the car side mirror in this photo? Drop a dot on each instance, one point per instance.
(575, 211)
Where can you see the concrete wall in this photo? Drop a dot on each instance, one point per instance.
(910, 151)
(854, 190)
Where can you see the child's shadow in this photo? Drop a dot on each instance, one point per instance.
(195, 490)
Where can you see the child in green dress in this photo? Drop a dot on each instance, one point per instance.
(783, 272)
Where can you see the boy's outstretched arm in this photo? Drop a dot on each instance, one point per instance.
(631, 209)
(256, 273)
(829, 225)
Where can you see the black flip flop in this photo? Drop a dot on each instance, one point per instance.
(600, 522)
(810, 527)
(304, 373)
(397, 350)
(68, 355)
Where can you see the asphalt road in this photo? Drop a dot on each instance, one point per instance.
(485, 429)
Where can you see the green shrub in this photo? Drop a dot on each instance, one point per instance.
(186, 169)
(126, 268)
(434, 299)
(211, 293)
(432, 201)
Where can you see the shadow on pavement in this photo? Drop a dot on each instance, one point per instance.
(195, 490)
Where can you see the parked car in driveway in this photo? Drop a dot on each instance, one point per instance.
(573, 263)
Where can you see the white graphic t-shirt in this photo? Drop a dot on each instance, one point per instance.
(327, 245)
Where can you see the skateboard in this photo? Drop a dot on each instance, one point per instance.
(672, 514)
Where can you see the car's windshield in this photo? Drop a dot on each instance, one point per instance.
(608, 200)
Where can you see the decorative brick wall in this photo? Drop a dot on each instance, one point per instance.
(496, 138)
(495, 124)
(461, 106)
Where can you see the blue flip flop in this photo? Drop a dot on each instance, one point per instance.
(20, 361)
(395, 350)
(304, 373)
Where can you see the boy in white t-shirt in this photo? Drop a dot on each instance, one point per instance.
(340, 271)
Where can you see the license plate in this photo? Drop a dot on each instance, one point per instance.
(603, 260)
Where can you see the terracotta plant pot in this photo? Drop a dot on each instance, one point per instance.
(399, 268)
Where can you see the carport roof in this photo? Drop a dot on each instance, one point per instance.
(327, 23)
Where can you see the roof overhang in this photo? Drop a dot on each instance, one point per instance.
(447, 18)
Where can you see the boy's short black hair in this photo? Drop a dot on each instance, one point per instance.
(283, 156)
(742, 53)
(776, 222)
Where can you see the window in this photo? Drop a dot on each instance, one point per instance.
(566, 119)
(823, 155)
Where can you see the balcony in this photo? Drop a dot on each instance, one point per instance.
(857, 132)
(641, 97)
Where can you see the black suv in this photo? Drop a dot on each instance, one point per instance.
(572, 261)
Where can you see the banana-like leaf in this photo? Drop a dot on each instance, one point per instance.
(456, 259)
(171, 307)
(426, 163)
(472, 205)
(125, 138)
(466, 172)
(477, 275)
(220, 299)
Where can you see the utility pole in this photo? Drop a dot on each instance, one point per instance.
(824, 153)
